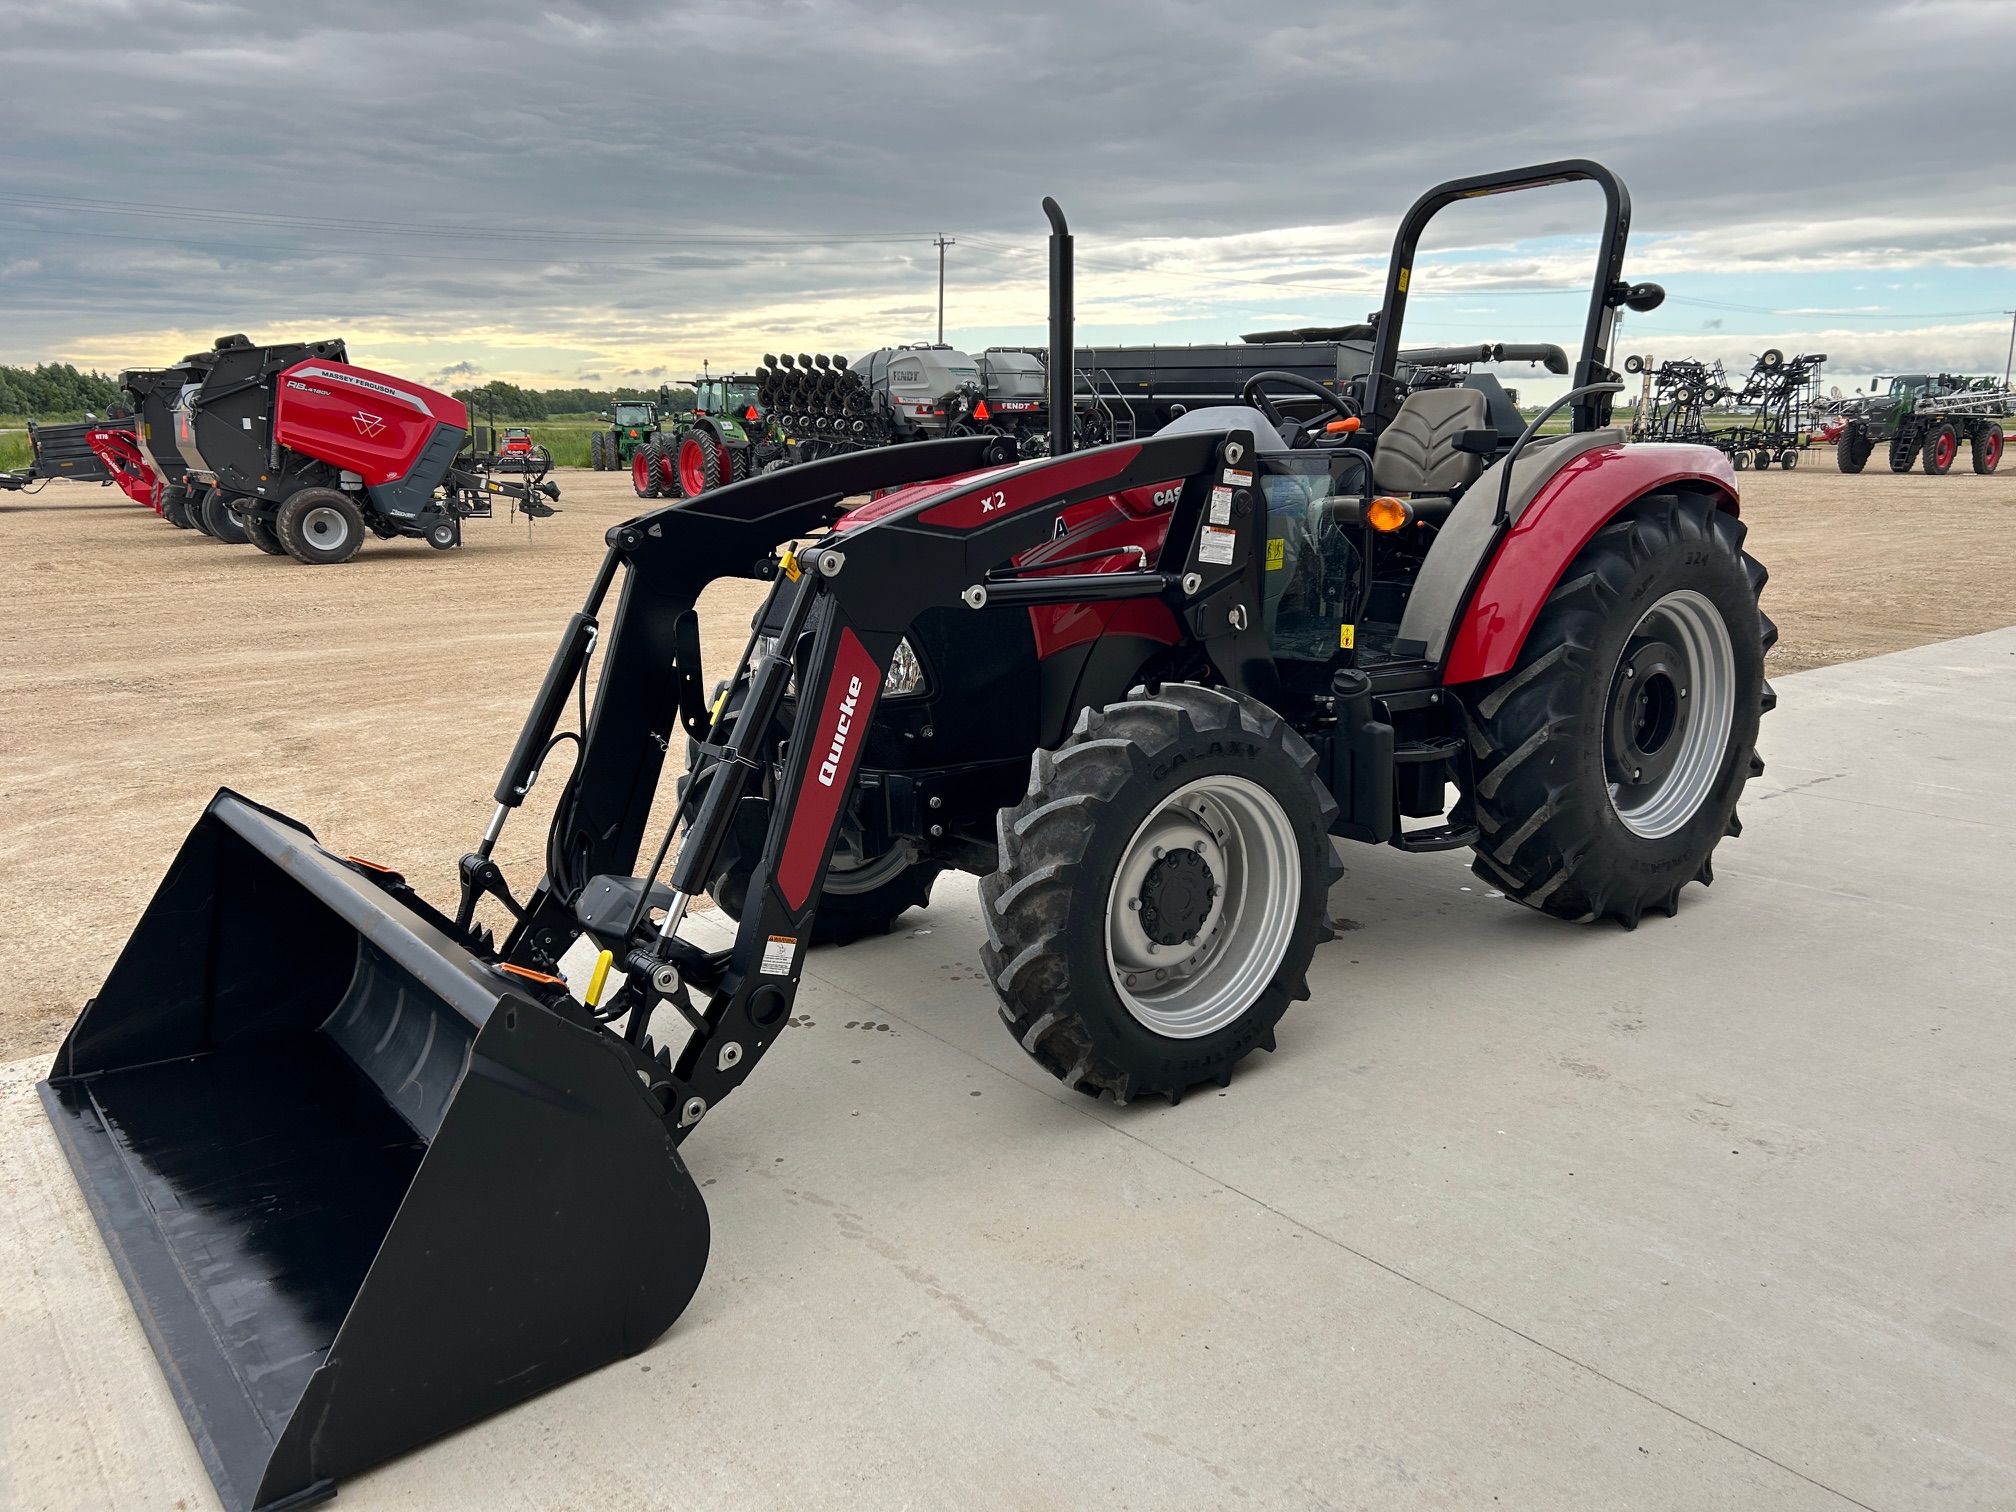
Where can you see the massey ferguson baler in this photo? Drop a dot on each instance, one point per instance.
(370, 1174)
(302, 452)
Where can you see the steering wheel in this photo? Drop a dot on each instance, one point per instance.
(1253, 393)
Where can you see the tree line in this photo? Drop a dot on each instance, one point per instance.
(507, 401)
(55, 391)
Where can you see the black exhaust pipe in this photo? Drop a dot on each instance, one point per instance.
(1063, 388)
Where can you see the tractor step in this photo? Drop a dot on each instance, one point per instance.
(1440, 748)
(1441, 838)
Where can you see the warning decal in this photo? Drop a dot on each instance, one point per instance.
(1216, 544)
(778, 951)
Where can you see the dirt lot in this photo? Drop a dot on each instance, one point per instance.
(376, 702)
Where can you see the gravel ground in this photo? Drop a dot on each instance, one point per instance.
(150, 666)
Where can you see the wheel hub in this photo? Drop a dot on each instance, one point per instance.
(1176, 897)
(1647, 710)
(1671, 705)
(325, 527)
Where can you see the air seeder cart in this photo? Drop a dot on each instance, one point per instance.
(370, 1174)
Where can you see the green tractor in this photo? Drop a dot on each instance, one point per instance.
(723, 439)
(630, 428)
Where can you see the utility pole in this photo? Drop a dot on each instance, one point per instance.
(941, 244)
(2009, 362)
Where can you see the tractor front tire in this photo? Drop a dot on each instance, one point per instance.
(1610, 759)
(1161, 890)
(1942, 445)
(1987, 444)
(262, 535)
(219, 521)
(1851, 451)
(598, 449)
(321, 526)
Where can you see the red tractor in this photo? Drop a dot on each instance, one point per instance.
(372, 1173)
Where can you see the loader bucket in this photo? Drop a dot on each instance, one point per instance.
(362, 1186)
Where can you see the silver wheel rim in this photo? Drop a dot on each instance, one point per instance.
(325, 528)
(1704, 711)
(1204, 982)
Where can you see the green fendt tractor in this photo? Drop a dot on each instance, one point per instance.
(630, 427)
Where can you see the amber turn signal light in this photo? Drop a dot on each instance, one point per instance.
(1386, 513)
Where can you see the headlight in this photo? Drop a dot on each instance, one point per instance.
(905, 678)
(906, 673)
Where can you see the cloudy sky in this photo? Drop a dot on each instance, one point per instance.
(561, 193)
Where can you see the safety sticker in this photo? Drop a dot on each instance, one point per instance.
(1238, 479)
(1347, 636)
(1276, 551)
(1215, 546)
(1221, 506)
(778, 952)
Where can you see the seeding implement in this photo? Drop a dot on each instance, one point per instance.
(370, 1174)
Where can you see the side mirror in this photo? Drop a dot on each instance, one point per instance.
(1479, 443)
(603, 416)
(1644, 297)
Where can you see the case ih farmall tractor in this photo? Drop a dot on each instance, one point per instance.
(371, 1173)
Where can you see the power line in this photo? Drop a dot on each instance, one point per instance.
(270, 220)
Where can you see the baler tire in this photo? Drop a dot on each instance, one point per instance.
(1987, 445)
(1542, 737)
(1050, 908)
(444, 535)
(262, 535)
(1941, 446)
(1851, 451)
(303, 524)
(220, 522)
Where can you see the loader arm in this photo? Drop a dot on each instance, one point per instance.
(865, 587)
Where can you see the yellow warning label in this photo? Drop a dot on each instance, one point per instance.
(1346, 635)
(1403, 279)
(1276, 548)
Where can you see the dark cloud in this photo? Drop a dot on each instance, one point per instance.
(633, 177)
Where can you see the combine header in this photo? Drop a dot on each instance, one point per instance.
(370, 1174)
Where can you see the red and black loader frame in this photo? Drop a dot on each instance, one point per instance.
(369, 1176)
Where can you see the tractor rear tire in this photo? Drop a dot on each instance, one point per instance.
(1942, 445)
(321, 526)
(1186, 826)
(644, 472)
(220, 522)
(1610, 759)
(262, 535)
(1851, 451)
(1987, 443)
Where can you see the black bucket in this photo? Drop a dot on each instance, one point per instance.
(362, 1189)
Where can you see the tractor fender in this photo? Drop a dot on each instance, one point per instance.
(1579, 500)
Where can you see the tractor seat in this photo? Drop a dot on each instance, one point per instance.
(1416, 452)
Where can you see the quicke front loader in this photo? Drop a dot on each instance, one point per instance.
(369, 1174)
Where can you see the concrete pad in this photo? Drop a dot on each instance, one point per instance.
(1715, 1213)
